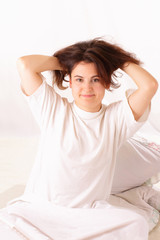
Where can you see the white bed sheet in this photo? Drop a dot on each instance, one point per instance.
(16, 158)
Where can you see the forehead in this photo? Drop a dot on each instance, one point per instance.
(83, 68)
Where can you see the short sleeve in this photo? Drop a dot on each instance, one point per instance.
(125, 122)
(133, 125)
(44, 103)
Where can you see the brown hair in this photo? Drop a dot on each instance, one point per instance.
(106, 56)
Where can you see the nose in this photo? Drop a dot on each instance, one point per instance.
(87, 85)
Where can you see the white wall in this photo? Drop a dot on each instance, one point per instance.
(42, 27)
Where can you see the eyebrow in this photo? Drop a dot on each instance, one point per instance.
(82, 76)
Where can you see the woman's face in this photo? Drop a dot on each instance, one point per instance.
(87, 89)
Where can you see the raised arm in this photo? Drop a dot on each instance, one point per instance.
(30, 67)
(147, 87)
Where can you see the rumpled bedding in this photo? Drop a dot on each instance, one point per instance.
(143, 200)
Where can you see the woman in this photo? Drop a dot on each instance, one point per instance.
(70, 183)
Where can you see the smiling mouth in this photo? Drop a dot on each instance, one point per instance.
(87, 95)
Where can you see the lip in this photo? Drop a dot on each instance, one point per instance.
(87, 95)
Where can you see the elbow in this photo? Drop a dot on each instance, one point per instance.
(152, 87)
(21, 63)
(155, 86)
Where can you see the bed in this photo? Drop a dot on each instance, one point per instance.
(16, 158)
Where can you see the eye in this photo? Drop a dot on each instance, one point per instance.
(96, 80)
(78, 79)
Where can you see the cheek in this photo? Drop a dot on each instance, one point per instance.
(75, 90)
(100, 90)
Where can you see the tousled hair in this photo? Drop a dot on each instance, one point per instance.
(106, 56)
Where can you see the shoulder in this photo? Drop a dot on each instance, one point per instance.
(45, 93)
(113, 107)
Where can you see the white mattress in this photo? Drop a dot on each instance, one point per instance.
(16, 158)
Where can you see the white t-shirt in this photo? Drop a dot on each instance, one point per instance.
(77, 153)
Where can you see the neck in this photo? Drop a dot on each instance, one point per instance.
(89, 109)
